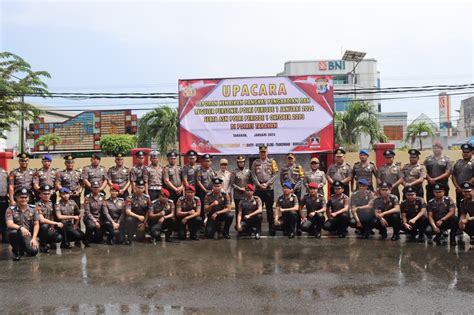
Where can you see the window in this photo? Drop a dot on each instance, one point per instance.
(340, 79)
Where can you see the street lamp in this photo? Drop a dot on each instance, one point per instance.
(356, 57)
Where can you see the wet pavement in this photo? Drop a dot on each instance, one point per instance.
(273, 275)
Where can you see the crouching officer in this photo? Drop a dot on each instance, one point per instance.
(413, 210)
(114, 216)
(337, 210)
(315, 204)
(249, 214)
(138, 206)
(94, 204)
(188, 212)
(48, 233)
(68, 212)
(23, 225)
(287, 210)
(441, 216)
(161, 216)
(217, 207)
(467, 208)
(387, 212)
(362, 208)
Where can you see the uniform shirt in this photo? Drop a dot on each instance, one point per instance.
(94, 174)
(287, 202)
(94, 206)
(24, 219)
(157, 206)
(360, 199)
(188, 205)
(293, 174)
(364, 171)
(189, 172)
(382, 205)
(68, 208)
(340, 172)
(389, 173)
(45, 177)
(119, 175)
(439, 208)
(462, 171)
(173, 174)
(336, 203)
(115, 210)
(317, 177)
(264, 172)
(205, 176)
(222, 197)
(467, 207)
(225, 176)
(139, 205)
(413, 172)
(22, 178)
(138, 171)
(313, 203)
(411, 209)
(46, 209)
(240, 179)
(249, 205)
(70, 179)
(155, 177)
(3, 183)
(437, 166)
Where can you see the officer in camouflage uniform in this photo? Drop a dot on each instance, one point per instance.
(188, 213)
(155, 176)
(390, 173)
(293, 173)
(138, 206)
(49, 234)
(340, 172)
(364, 169)
(94, 173)
(21, 177)
(161, 217)
(120, 175)
(249, 214)
(315, 205)
(71, 179)
(414, 173)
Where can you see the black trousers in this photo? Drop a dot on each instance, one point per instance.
(212, 225)
(236, 204)
(339, 224)
(174, 196)
(268, 198)
(394, 221)
(21, 243)
(451, 224)
(469, 228)
(193, 225)
(430, 191)
(418, 228)
(255, 222)
(367, 219)
(459, 197)
(167, 226)
(131, 229)
(154, 194)
(49, 235)
(112, 234)
(288, 221)
(314, 224)
(4, 202)
(202, 196)
(71, 234)
(93, 234)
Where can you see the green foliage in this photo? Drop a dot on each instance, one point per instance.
(418, 130)
(115, 144)
(48, 140)
(160, 126)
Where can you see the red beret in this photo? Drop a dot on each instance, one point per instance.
(115, 187)
(313, 185)
(250, 187)
(165, 192)
(192, 188)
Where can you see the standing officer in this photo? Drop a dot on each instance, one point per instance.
(364, 169)
(188, 212)
(94, 173)
(172, 177)
(71, 179)
(114, 212)
(414, 173)
(21, 177)
(48, 233)
(139, 171)
(204, 177)
(286, 212)
(337, 210)
(240, 178)
(390, 173)
(413, 210)
(138, 206)
(293, 173)
(190, 169)
(462, 171)
(3, 204)
(467, 208)
(161, 216)
(249, 214)
(155, 176)
(70, 215)
(341, 172)
(217, 207)
(315, 175)
(362, 208)
(441, 215)
(387, 212)
(94, 204)
(315, 204)
(23, 225)
(45, 176)
(438, 170)
(119, 175)
(224, 174)
(263, 173)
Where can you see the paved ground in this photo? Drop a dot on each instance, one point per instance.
(227, 276)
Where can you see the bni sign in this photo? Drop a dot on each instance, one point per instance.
(332, 65)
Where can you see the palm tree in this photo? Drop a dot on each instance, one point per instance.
(160, 126)
(48, 140)
(418, 130)
(360, 117)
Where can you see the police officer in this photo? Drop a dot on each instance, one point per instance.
(438, 170)
(315, 205)
(337, 210)
(263, 172)
(190, 169)
(188, 213)
(138, 206)
(387, 212)
(94, 173)
(315, 175)
(287, 210)
(172, 177)
(68, 212)
(161, 217)
(249, 214)
(71, 179)
(119, 174)
(293, 173)
(204, 177)
(21, 177)
(462, 171)
(364, 169)
(217, 207)
(390, 173)
(414, 218)
(467, 208)
(414, 173)
(139, 171)
(155, 176)
(23, 225)
(45, 176)
(239, 179)
(3, 204)
(94, 204)
(362, 209)
(441, 216)
(341, 172)
(49, 234)
(114, 215)
(224, 174)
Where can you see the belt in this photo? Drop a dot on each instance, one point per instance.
(154, 188)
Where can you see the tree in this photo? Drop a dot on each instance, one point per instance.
(160, 126)
(360, 117)
(115, 144)
(16, 81)
(48, 140)
(418, 130)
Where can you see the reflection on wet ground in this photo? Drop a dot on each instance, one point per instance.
(271, 276)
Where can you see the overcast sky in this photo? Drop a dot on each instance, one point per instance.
(132, 46)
